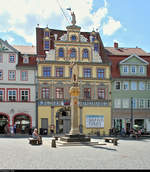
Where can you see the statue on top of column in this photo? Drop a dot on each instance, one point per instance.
(73, 18)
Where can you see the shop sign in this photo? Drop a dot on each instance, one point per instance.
(94, 121)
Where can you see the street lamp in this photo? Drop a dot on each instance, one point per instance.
(131, 126)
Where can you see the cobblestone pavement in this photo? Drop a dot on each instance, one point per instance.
(17, 153)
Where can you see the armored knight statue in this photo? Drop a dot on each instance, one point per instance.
(73, 18)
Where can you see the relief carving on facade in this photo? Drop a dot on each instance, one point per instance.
(63, 37)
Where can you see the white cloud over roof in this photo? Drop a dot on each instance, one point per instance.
(22, 16)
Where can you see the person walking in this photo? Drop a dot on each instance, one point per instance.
(14, 128)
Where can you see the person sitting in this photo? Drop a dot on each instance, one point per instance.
(35, 134)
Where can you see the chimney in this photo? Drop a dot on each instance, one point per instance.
(115, 45)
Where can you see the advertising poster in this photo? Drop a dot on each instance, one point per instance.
(94, 121)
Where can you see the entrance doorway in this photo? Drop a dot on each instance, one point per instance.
(4, 124)
(22, 123)
(63, 120)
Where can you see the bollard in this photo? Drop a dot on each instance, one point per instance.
(115, 142)
(53, 143)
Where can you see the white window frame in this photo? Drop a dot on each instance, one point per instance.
(133, 72)
(124, 84)
(23, 94)
(117, 103)
(116, 85)
(141, 87)
(12, 75)
(127, 69)
(134, 103)
(141, 103)
(133, 82)
(141, 67)
(2, 95)
(125, 103)
(13, 95)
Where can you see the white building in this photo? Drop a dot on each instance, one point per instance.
(17, 88)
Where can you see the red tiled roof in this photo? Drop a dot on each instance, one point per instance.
(115, 57)
(125, 51)
(23, 49)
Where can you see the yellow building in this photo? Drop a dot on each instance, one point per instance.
(56, 49)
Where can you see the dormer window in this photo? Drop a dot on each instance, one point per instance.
(46, 44)
(46, 34)
(73, 38)
(96, 47)
(25, 59)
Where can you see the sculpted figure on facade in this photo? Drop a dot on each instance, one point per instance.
(75, 72)
(73, 18)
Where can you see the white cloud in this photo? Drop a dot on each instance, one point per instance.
(111, 27)
(24, 15)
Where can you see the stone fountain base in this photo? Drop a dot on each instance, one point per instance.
(75, 138)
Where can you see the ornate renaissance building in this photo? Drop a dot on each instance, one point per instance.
(56, 50)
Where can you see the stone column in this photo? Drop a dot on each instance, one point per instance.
(74, 92)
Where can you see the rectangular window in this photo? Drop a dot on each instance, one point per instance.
(45, 93)
(100, 73)
(70, 72)
(134, 103)
(125, 103)
(101, 93)
(24, 95)
(87, 73)
(117, 103)
(2, 92)
(59, 71)
(133, 86)
(117, 85)
(125, 86)
(11, 58)
(1, 58)
(24, 75)
(125, 69)
(46, 45)
(141, 69)
(95, 46)
(1, 74)
(87, 93)
(141, 86)
(11, 75)
(46, 71)
(148, 103)
(133, 69)
(46, 34)
(148, 85)
(12, 95)
(141, 103)
(25, 60)
(59, 93)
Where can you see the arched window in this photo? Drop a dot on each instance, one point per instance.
(73, 53)
(61, 52)
(85, 53)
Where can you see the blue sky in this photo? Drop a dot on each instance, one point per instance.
(124, 21)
